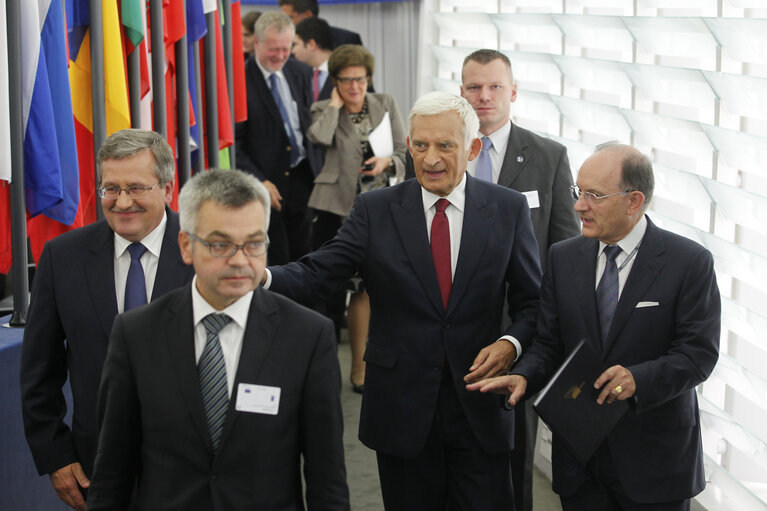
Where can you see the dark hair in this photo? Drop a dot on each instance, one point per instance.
(317, 29)
(302, 6)
(348, 55)
(249, 20)
(485, 56)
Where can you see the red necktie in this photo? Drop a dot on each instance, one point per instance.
(316, 84)
(440, 250)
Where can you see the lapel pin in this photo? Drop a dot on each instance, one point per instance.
(520, 159)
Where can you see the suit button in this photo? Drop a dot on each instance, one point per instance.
(287, 173)
(287, 148)
(447, 326)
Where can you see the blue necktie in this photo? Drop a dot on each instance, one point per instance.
(135, 284)
(484, 165)
(607, 291)
(212, 371)
(294, 153)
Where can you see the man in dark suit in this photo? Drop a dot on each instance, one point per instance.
(647, 302)
(436, 254)
(535, 166)
(272, 143)
(83, 280)
(299, 10)
(312, 46)
(214, 395)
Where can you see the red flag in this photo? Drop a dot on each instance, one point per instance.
(238, 66)
(6, 253)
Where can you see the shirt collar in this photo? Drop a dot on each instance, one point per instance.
(499, 138)
(152, 241)
(324, 66)
(238, 311)
(457, 197)
(267, 73)
(632, 239)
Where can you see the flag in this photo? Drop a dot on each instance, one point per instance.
(238, 66)
(5, 128)
(196, 30)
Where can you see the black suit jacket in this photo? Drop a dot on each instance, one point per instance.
(412, 336)
(70, 316)
(154, 433)
(263, 145)
(342, 36)
(665, 331)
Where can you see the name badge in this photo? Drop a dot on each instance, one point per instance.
(258, 399)
(532, 199)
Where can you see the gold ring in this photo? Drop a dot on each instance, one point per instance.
(618, 389)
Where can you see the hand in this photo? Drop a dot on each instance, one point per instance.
(609, 380)
(514, 385)
(335, 98)
(379, 165)
(274, 195)
(493, 360)
(67, 482)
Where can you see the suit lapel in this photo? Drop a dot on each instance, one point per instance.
(171, 269)
(256, 342)
(644, 272)
(100, 274)
(478, 222)
(516, 158)
(411, 227)
(179, 331)
(376, 110)
(583, 273)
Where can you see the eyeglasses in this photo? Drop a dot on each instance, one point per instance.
(113, 192)
(577, 193)
(351, 79)
(228, 249)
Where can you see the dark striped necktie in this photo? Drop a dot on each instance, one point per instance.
(212, 371)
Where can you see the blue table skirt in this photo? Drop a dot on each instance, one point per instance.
(21, 489)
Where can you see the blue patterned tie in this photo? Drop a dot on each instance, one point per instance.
(135, 284)
(212, 371)
(607, 291)
(294, 153)
(484, 165)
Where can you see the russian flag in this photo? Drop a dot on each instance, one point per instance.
(50, 148)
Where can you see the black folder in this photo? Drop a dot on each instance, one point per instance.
(568, 404)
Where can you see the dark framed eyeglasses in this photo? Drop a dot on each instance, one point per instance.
(351, 79)
(577, 193)
(228, 249)
(136, 192)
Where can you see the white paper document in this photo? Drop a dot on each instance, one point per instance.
(380, 138)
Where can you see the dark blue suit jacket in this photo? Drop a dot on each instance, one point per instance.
(70, 316)
(412, 336)
(342, 36)
(665, 331)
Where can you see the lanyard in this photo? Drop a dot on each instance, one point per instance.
(631, 255)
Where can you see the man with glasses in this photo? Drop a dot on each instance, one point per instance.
(83, 280)
(646, 300)
(218, 395)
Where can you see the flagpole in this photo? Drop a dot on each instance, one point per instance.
(18, 203)
(160, 123)
(227, 5)
(199, 165)
(98, 97)
(182, 107)
(134, 87)
(211, 91)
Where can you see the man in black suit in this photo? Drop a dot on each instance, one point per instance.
(436, 255)
(272, 143)
(647, 302)
(301, 9)
(312, 46)
(538, 168)
(83, 280)
(218, 395)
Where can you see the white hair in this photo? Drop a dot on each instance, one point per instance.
(435, 103)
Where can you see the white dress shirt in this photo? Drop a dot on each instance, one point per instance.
(500, 140)
(149, 261)
(323, 76)
(290, 105)
(627, 244)
(230, 336)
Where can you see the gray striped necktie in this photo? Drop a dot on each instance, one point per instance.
(212, 372)
(607, 290)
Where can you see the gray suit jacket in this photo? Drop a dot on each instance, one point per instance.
(336, 186)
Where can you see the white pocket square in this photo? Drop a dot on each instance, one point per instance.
(647, 304)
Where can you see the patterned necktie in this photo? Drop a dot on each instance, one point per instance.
(135, 284)
(607, 290)
(484, 165)
(440, 250)
(316, 84)
(212, 372)
(294, 153)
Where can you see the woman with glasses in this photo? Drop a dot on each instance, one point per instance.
(341, 126)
